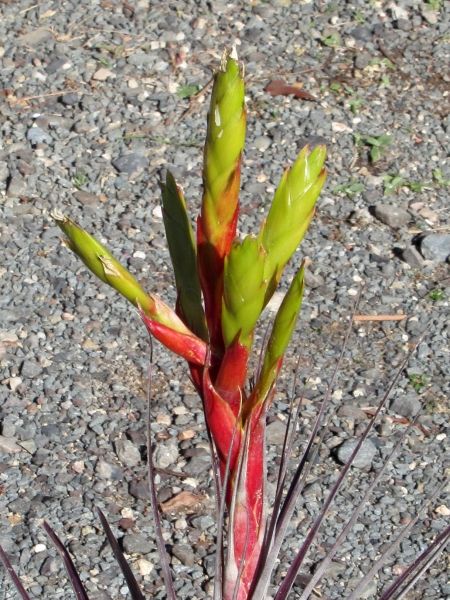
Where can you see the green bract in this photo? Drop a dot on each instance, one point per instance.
(291, 211)
(101, 262)
(223, 148)
(243, 289)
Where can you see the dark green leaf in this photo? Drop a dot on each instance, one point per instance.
(180, 239)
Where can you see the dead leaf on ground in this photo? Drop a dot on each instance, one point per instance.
(186, 502)
(278, 87)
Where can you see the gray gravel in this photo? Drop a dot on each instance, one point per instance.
(92, 111)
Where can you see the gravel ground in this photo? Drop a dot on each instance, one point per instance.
(97, 98)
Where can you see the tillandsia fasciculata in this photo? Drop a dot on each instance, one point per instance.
(223, 284)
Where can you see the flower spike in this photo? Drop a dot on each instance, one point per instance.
(216, 225)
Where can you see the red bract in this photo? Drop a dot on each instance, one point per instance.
(188, 346)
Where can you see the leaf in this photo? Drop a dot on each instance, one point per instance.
(223, 148)
(72, 572)
(281, 334)
(375, 154)
(188, 90)
(160, 317)
(13, 575)
(332, 41)
(180, 239)
(350, 188)
(132, 584)
(392, 183)
(184, 502)
(278, 87)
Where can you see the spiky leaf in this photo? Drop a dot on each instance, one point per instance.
(281, 334)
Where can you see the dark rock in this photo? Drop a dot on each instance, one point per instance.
(166, 454)
(86, 197)
(413, 257)
(276, 432)
(16, 186)
(55, 65)
(70, 99)
(30, 369)
(414, 326)
(198, 464)
(25, 168)
(136, 543)
(406, 405)
(140, 59)
(106, 470)
(391, 215)
(139, 489)
(128, 453)
(362, 60)
(4, 172)
(352, 412)
(35, 37)
(436, 246)
(364, 457)
(50, 566)
(131, 164)
(313, 280)
(9, 445)
(184, 553)
(361, 33)
(36, 135)
(203, 522)
(403, 24)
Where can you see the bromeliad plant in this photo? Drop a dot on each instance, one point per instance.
(223, 285)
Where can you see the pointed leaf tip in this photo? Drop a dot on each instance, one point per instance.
(57, 215)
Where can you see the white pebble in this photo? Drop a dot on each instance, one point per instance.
(340, 127)
(14, 383)
(191, 482)
(157, 212)
(145, 567)
(102, 74)
(443, 510)
(180, 524)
